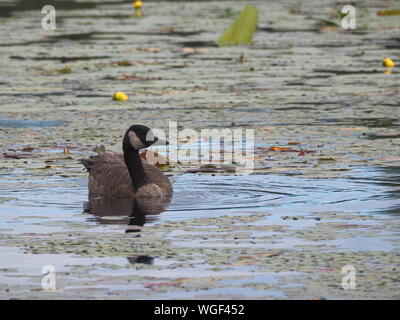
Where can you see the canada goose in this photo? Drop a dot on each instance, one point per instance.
(127, 175)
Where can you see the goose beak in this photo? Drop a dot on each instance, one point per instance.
(160, 142)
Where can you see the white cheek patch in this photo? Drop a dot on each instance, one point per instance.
(135, 141)
(150, 136)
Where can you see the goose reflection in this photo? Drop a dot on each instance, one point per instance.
(131, 211)
(134, 212)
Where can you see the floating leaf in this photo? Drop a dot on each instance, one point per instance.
(352, 128)
(18, 156)
(326, 159)
(134, 77)
(187, 50)
(49, 167)
(390, 12)
(201, 170)
(326, 22)
(64, 70)
(274, 148)
(242, 29)
(149, 49)
(301, 152)
(124, 63)
(163, 167)
(172, 92)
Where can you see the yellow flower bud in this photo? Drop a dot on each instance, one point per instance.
(120, 96)
(387, 62)
(137, 4)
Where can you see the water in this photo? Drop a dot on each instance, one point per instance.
(288, 88)
(7, 123)
(366, 191)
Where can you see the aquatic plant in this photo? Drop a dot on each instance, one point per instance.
(120, 96)
(137, 5)
(242, 29)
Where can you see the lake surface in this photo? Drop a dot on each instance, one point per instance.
(324, 193)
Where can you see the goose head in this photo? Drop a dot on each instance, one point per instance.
(139, 137)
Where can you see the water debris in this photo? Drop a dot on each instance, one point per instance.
(125, 63)
(17, 156)
(151, 49)
(62, 59)
(136, 78)
(301, 152)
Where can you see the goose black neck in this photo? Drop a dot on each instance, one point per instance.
(135, 165)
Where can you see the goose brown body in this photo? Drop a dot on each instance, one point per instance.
(109, 176)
